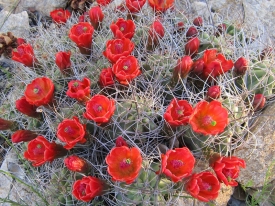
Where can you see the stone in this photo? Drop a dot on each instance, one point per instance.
(258, 151)
(224, 195)
(18, 24)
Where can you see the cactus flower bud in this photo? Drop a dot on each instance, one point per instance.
(183, 67)
(180, 26)
(241, 65)
(121, 142)
(198, 21)
(96, 16)
(214, 92)
(192, 46)
(220, 29)
(23, 136)
(6, 124)
(156, 32)
(20, 41)
(258, 102)
(62, 60)
(191, 32)
(135, 6)
(23, 106)
(76, 164)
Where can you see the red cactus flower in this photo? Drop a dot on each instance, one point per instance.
(203, 186)
(192, 32)
(103, 2)
(23, 106)
(71, 131)
(88, 188)
(118, 48)
(100, 109)
(209, 118)
(192, 46)
(124, 163)
(76, 164)
(214, 92)
(60, 16)
(177, 164)
(182, 68)
(6, 124)
(121, 142)
(178, 112)
(161, 5)
(40, 150)
(40, 91)
(24, 54)
(96, 16)
(123, 29)
(126, 69)
(156, 32)
(135, 6)
(240, 66)
(258, 102)
(227, 169)
(23, 136)
(62, 60)
(79, 90)
(198, 21)
(20, 41)
(81, 34)
(106, 77)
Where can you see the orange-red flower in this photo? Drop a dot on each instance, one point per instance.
(183, 67)
(227, 169)
(103, 2)
(156, 32)
(106, 77)
(81, 34)
(23, 136)
(214, 92)
(40, 91)
(126, 69)
(6, 124)
(209, 118)
(100, 109)
(40, 150)
(24, 54)
(20, 41)
(96, 16)
(123, 29)
(203, 186)
(76, 164)
(192, 46)
(258, 102)
(135, 6)
(240, 66)
(121, 142)
(79, 90)
(23, 106)
(161, 5)
(178, 113)
(118, 48)
(60, 16)
(71, 131)
(124, 163)
(62, 60)
(88, 188)
(177, 164)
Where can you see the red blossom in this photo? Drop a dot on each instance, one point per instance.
(156, 32)
(135, 6)
(214, 92)
(40, 91)
(203, 186)
(227, 169)
(118, 48)
(177, 164)
(123, 29)
(258, 102)
(96, 16)
(192, 32)
(103, 2)
(62, 60)
(183, 67)
(161, 5)
(24, 54)
(71, 131)
(20, 41)
(209, 118)
(79, 90)
(121, 142)
(40, 150)
(60, 16)
(23, 106)
(88, 188)
(23, 136)
(198, 21)
(6, 124)
(76, 164)
(106, 77)
(100, 109)
(192, 46)
(178, 113)
(124, 164)
(126, 69)
(240, 66)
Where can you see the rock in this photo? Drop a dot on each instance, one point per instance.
(224, 195)
(18, 24)
(258, 151)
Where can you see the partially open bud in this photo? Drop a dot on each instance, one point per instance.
(96, 16)
(23, 106)
(183, 67)
(197, 67)
(258, 102)
(156, 32)
(214, 92)
(76, 164)
(191, 32)
(192, 46)
(180, 26)
(240, 66)
(198, 21)
(20, 41)
(23, 136)
(121, 142)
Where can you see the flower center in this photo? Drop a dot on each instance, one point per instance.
(118, 48)
(82, 189)
(85, 29)
(125, 163)
(68, 130)
(39, 146)
(125, 67)
(208, 120)
(35, 90)
(177, 164)
(205, 186)
(75, 84)
(122, 29)
(228, 174)
(59, 13)
(99, 108)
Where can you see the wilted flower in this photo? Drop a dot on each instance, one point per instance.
(123, 29)
(23, 136)
(79, 90)
(24, 54)
(76, 164)
(96, 16)
(23, 106)
(60, 16)
(62, 60)
(221, 28)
